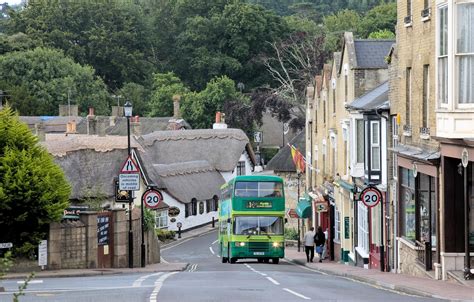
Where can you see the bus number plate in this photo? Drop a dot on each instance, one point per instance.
(259, 253)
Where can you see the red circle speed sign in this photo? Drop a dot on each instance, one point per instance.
(371, 196)
(152, 198)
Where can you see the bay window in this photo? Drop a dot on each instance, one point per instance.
(375, 146)
(465, 53)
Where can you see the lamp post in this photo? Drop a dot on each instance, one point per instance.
(127, 110)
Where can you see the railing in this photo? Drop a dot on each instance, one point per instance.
(426, 13)
(407, 20)
(424, 256)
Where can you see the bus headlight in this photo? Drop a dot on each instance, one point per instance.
(276, 244)
(240, 244)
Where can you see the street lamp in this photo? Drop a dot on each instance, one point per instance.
(127, 110)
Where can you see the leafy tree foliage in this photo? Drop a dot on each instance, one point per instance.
(39, 80)
(206, 39)
(198, 108)
(138, 95)
(17, 42)
(382, 34)
(335, 26)
(112, 37)
(165, 86)
(33, 189)
(381, 17)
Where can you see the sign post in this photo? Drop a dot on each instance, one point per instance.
(43, 254)
(371, 196)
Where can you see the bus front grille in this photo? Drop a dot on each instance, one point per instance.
(258, 246)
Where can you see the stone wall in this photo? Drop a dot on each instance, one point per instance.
(67, 245)
(73, 244)
(408, 260)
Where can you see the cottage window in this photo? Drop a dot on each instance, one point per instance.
(395, 144)
(375, 145)
(465, 53)
(194, 207)
(161, 219)
(426, 94)
(241, 168)
(443, 55)
(337, 224)
(408, 103)
(360, 140)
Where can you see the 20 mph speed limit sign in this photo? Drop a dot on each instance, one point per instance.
(371, 196)
(152, 198)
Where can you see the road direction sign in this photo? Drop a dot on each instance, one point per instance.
(371, 196)
(6, 245)
(129, 182)
(152, 198)
(129, 166)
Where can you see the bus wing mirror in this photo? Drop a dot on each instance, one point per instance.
(286, 220)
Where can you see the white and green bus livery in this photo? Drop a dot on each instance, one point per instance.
(251, 219)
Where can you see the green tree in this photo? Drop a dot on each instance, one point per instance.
(114, 37)
(379, 18)
(335, 26)
(33, 189)
(139, 95)
(165, 86)
(198, 108)
(382, 34)
(17, 42)
(39, 80)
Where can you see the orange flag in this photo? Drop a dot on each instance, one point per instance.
(298, 159)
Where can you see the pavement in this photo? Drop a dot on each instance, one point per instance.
(391, 281)
(397, 282)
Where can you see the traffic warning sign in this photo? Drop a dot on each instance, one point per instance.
(129, 166)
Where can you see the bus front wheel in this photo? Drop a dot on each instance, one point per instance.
(233, 260)
(276, 260)
(223, 259)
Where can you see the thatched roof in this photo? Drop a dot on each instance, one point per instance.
(60, 144)
(220, 147)
(282, 161)
(188, 180)
(92, 173)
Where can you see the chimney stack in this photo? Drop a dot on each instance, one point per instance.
(176, 112)
(220, 121)
(135, 125)
(91, 122)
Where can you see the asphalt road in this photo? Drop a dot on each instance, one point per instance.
(206, 279)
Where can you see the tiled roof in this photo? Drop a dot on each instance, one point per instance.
(282, 161)
(377, 98)
(372, 53)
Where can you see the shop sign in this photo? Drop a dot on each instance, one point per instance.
(173, 211)
(346, 227)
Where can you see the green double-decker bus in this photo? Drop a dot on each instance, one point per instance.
(251, 219)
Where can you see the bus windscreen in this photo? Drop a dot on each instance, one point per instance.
(258, 189)
(258, 225)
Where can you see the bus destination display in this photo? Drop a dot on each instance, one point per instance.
(260, 204)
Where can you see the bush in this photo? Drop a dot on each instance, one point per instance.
(291, 234)
(164, 235)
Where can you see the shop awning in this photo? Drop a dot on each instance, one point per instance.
(303, 210)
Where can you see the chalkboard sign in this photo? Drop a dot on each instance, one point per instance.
(103, 230)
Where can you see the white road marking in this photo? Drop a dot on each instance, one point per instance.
(192, 268)
(273, 281)
(254, 270)
(218, 256)
(214, 242)
(179, 243)
(163, 260)
(158, 285)
(211, 250)
(296, 294)
(31, 282)
(138, 282)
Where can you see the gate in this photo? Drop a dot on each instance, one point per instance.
(105, 240)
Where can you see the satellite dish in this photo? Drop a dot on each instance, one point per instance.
(286, 128)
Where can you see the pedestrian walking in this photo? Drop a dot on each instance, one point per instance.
(309, 244)
(319, 240)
